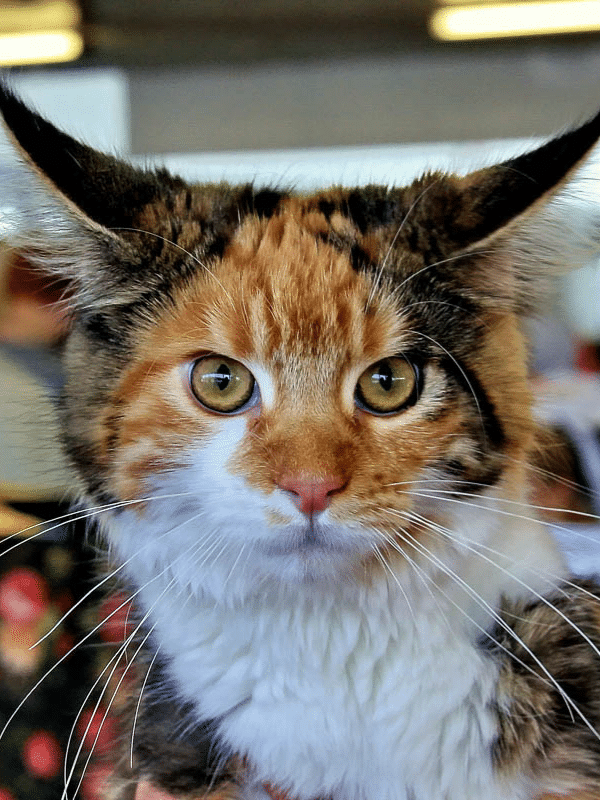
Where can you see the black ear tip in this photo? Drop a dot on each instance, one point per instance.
(20, 119)
(10, 102)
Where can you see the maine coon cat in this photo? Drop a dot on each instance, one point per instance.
(304, 422)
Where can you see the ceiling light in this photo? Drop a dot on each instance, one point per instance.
(39, 15)
(40, 47)
(39, 31)
(495, 20)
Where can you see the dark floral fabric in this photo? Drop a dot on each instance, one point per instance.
(53, 711)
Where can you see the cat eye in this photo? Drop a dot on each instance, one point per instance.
(388, 386)
(222, 384)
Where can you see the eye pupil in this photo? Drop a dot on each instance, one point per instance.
(222, 377)
(383, 375)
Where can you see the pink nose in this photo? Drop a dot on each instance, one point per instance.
(310, 494)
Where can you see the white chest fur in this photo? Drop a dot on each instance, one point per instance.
(363, 701)
(372, 690)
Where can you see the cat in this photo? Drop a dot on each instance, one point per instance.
(304, 422)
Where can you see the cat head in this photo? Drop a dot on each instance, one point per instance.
(303, 383)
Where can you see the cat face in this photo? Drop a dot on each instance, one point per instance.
(305, 384)
(303, 405)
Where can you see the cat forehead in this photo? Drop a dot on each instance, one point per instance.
(362, 225)
(283, 289)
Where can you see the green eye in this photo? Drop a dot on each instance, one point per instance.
(388, 386)
(221, 384)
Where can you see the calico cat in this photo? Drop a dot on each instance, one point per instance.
(304, 423)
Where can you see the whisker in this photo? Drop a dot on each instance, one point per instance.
(381, 269)
(104, 580)
(381, 558)
(448, 534)
(75, 516)
(440, 263)
(426, 553)
(508, 501)
(56, 664)
(498, 619)
(183, 250)
(93, 631)
(425, 579)
(501, 512)
(535, 593)
(122, 651)
(141, 692)
(139, 703)
(116, 658)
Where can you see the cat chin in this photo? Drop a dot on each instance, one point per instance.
(308, 566)
(309, 553)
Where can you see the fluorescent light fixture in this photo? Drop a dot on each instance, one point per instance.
(40, 47)
(40, 15)
(495, 20)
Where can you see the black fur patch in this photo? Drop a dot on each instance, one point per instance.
(263, 203)
(103, 329)
(549, 706)
(107, 190)
(360, 260)
(326, 207)
(493, 430)
(371, 207)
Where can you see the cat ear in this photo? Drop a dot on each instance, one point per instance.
(528, 218)
(100, 186)
(71, 226)
(494, 197)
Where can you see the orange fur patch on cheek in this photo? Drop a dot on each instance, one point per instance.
(157, 423)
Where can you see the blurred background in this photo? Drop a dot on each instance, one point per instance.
(293, 92)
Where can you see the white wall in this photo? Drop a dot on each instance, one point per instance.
(92, 105)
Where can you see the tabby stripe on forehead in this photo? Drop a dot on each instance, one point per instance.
(372, 207)
(360, 260)
(263, 203)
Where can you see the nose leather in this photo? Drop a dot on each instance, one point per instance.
(310, 494)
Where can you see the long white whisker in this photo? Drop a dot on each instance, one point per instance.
(521, 583)
(139, 703)
(104, 580)
(72, 516)
(525, 504)
(141, 692)
(91, 633)
(116, 658)
(497, 618)
(381, 558)
(122, 651)
(59, 662)
(432, 496)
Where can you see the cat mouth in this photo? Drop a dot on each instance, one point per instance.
(312, 539)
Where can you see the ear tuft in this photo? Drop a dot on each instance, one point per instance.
(512, 227)
(64, 219)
